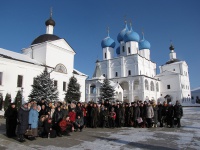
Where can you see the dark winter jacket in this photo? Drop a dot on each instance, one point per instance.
(11, 121)
(134, 112)
(64, 112)
(155, 117)
(142, 112)
(178, 111)
(160, 107)
(79, 111)
(57, 116)
(94, 112)
(79, 121)
(164, 110)
(170, 111)
(105, 115)
(23, 118)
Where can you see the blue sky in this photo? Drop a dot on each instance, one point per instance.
(83, 23)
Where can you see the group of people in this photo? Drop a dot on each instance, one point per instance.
(49, 120)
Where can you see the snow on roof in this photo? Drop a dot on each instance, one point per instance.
(196, 89)
(17, 56)
(79, 73)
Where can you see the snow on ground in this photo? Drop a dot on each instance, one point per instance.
(186, 137)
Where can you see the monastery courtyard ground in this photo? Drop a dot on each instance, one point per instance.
(187, 137)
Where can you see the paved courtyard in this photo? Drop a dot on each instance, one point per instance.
(187, 137)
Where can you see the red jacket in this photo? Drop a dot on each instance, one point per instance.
(72, 116)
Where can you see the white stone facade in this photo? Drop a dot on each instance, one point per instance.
(56, 54)
(134, 71)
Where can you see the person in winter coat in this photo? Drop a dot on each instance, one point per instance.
(159, 112)
(126, 115)
(79, 123)
(94, 115)
(23, 118)
(105, 117)
(64, 109)
(164, 114)
(72, 115)
(79, 110)
(149, 115)
(118, 110)
(155, 117)
(48, 129)
(178, 113)
(43, 110)
(112, 117)
(66, 126)
(57, 117)
(41, 125)
(142, 115)
(33, 119)
(170, 115)
(134, 113)
(11, 120)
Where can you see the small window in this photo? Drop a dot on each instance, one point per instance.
(55, 83)
(129, 72)
(116, 74)
(104, 75)
(123, 48)
(64, 86)
(1, 76)
(160, 94)
(173, 69)
(168, 86)
(105, 55)
(19, 81)
(129, 50)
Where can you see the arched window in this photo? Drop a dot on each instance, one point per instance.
(157, 87)
(152, 86)
(105, 56)
(136, 85)
(146, 85)
(93, 89)
(61, 68)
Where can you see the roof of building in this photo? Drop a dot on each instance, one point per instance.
(17, 56)
(50, 21)
(172, 61)
(45, 37)
(78, 72)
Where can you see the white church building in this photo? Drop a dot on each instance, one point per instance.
(133, 74)
(17, 70)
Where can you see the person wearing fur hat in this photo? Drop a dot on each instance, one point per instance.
(11, 120)
(23, 118)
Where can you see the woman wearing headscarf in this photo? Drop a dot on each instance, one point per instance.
(11, 120)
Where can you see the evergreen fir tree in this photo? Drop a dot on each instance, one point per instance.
(106, 91)
(18, 99)
(1, 101)
(43, 87)
(73, 91)
(7, 101)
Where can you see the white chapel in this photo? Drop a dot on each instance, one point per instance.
(17, 70)
(133, 75)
